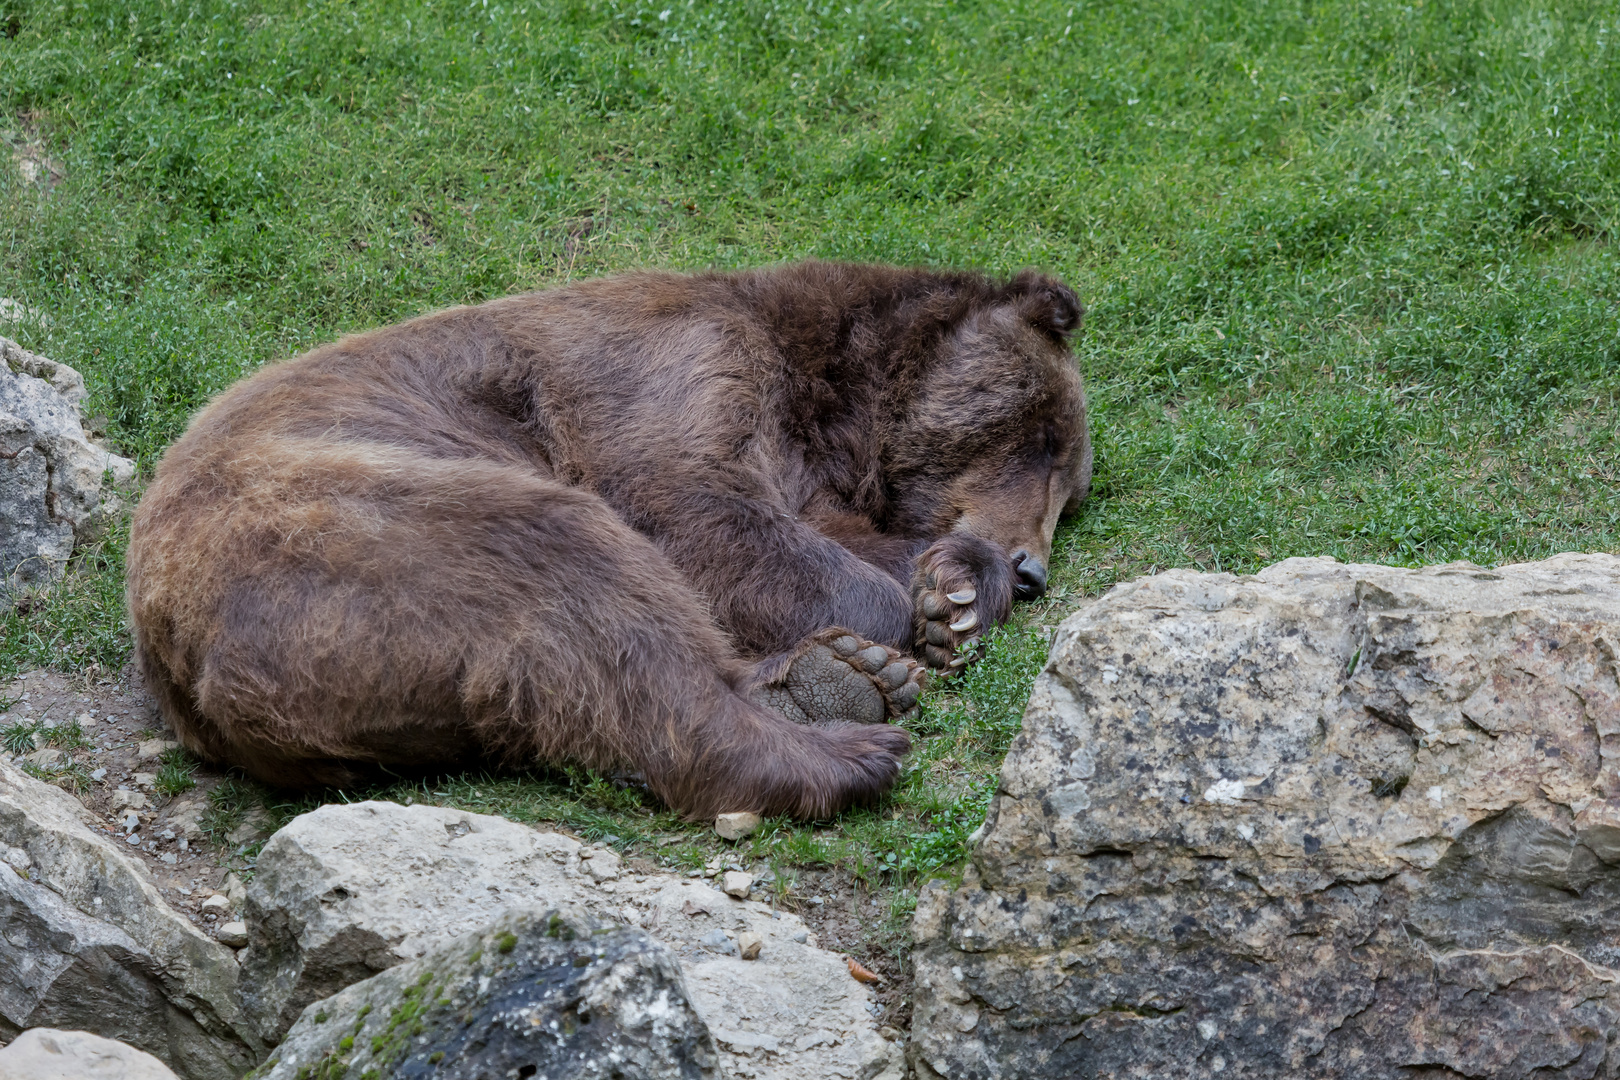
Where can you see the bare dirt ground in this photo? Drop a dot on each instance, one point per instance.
(843, 922)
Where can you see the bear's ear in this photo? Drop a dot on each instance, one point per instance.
(1046, 304)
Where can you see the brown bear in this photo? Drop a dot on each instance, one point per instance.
(691, 525)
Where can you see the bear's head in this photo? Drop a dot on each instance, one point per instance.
(994, 441)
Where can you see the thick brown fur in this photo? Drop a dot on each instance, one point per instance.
(588, 524)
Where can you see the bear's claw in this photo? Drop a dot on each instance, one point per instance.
(947, 639)
(835, 677)
(962, 587)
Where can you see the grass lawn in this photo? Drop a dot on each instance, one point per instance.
(1350, 266)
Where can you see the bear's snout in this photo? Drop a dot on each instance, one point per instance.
(1031, 574)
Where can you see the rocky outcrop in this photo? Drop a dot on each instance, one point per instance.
(345, 892)
(91, 945)
(50, 1054)
(51, 473)
(1330, 820)
(545, 993)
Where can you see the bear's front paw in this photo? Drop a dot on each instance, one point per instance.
(963, 587)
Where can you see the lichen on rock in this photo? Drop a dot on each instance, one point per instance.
(540, 992)
(1330, 820)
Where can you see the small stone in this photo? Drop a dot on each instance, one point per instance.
(737, 825)
(603, 865)
(235, 891)
(144, 779)
(152, 749)
(737, 883)
(129, 800)
(133, 838)
(217, 903)
(99, 775)
(254, 824)
(801, 936)
(233, 934)
(750, 944)
(45, 758)
(169, 858)
(185, 817)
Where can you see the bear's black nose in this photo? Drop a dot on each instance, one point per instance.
(1031, 576)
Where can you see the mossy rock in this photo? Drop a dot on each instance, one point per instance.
(544, 992)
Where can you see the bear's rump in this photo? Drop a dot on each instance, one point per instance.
(370, 604)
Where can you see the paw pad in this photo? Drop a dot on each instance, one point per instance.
(837, 677)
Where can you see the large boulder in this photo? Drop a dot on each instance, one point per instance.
(90, 944)
(51, 473)
(539, 992)
(1330, 820)
(347, 891)
(50, 1054)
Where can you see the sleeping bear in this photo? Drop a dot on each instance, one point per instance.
(716, 528)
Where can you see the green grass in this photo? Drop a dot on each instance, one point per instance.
(18, 738)
(23, 736)
(176, 772)
(1350, 266)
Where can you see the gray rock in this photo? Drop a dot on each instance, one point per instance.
(91, 944)
(545, 993)
(51, 1054)
(1336, 821)
(61, 378)
(50, 472)
(344, 892)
